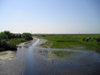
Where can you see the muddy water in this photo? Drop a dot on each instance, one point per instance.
(34, 60)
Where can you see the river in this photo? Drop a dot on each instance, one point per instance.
(35, 60)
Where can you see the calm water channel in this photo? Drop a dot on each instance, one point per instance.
(34, 60)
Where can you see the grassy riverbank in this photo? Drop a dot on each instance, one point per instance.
(73, 41)
(8, 41)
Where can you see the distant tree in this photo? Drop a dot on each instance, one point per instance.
(87, 39)
(98, 39)
(43, 35)
(17, 35)
(6, 35)
(27, 36)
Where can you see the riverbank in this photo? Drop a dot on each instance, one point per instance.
(72, 41)
(8, 40)
(9, 54)
(6, 55)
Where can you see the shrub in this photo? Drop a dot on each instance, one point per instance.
(27, 36)
(8, 41)
(98, 39)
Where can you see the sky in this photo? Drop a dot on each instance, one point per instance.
(50, 16)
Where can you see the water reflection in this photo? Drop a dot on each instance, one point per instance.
(67, 62)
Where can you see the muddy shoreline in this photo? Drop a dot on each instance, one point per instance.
(9, 54)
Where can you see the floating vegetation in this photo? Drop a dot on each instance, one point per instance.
(62, 53)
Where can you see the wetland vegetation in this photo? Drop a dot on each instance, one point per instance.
(39, 60)
(73, 41)
(62, 53)
(8, 40)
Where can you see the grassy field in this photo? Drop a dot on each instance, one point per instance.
(73, 41)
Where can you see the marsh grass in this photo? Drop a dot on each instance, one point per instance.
(73, 41)
(62, 53)
(57, 53)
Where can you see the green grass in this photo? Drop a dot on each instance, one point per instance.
(16, 41)
(58, 53)
(62, 53)
(73, 41)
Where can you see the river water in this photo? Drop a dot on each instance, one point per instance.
(35, 60)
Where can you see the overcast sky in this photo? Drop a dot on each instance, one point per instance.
(50, 16)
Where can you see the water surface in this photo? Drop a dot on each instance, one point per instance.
(34, 60)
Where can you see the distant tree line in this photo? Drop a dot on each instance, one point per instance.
(91, 39)
(6, 39)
